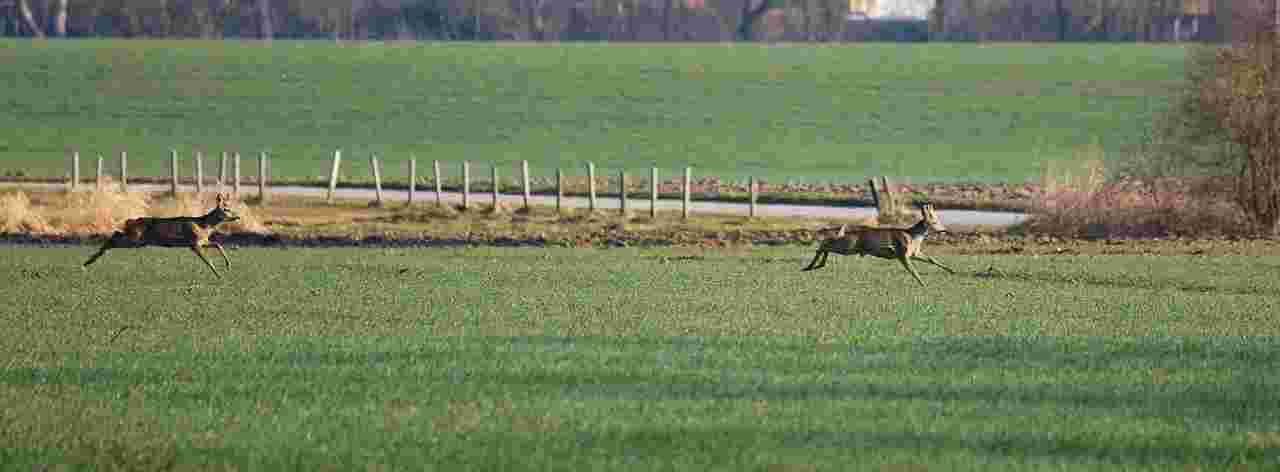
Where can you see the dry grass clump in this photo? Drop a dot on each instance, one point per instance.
(98, 212)
(18, 216)
(104, 211)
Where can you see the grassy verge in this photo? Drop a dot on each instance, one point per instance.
(636, 360)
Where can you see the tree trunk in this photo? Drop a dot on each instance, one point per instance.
(1060, 11)
(25, 10)
(60, 20)
(808, 20)
(531, 12)
(746, 24)
(264, 19)
(666, 19)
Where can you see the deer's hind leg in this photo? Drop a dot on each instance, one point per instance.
(922, 257)
(111, 243)
(196, 249)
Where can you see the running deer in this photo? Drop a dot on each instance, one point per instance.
(888, 243)
(181, 231)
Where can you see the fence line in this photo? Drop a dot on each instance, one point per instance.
(880, 187)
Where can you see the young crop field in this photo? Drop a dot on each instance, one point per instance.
(636, 359)
(927, 112)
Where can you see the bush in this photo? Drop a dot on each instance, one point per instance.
(1225, 127)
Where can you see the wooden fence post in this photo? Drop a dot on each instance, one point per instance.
(222, 172)
(75, 171)
(333, 174)
(559, 190)
(688, 176)
(377, 180)
(199, 173)
(100, 173)
(524, 177)
(413, 177)
(173, 171)
(262, 177)
(438, 178)
(653, 193)
(235, 175)
(466, 184)
(751, 182)
(875, 194)
(124, 171)
(886, 195)
(622, 192)
(496, 185)
(591, 186)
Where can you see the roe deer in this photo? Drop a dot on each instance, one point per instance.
(180, 231)
(888, 243)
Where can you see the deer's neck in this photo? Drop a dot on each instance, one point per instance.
(210, 219)
(919, 231)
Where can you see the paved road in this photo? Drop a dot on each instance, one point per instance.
(957, 218)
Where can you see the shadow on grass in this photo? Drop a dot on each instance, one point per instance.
(995, 446)
(744, 368)
(1131, 282)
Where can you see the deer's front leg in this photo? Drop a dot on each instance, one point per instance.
(907, 263)
(933, 261)
(196, 249)
(224, 253)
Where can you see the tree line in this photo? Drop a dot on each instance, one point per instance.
(618, 20)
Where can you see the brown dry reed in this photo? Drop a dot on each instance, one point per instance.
(1080, 202)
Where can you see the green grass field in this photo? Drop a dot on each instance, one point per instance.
(549, 359)
(930, 112)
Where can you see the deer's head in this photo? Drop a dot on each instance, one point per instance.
(221, 213)
(931, 218)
